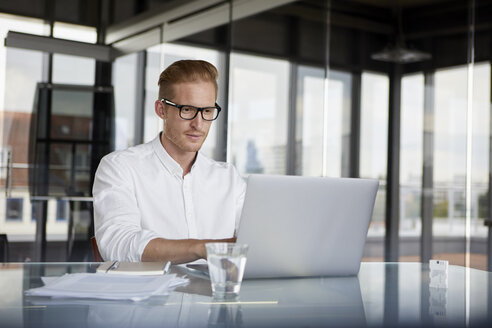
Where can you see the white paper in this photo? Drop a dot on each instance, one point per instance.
(111, 287)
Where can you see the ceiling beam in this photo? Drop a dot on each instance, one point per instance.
(153, 18)
(211, 17)
(61, 46)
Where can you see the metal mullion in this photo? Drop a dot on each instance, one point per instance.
(140, 98)
(41, 207)
(392, 212)
(291, 121)
(489, 198)
(222, 145)
(355, 125)
(427, 206)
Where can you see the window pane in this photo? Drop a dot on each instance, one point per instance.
(62, 210)
(450, 164)
(480, 164)
(75, 32)
(316, 137)
(310, 93)
(71, 114)
(124, 82)
(258, 114)
(73, 70)
(373, 151)
(411, 150)
(14, 209)
(337, 129)
(20, 71)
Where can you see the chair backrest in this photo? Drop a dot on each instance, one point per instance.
(95, 251)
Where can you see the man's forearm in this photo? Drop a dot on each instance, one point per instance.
(177, 251)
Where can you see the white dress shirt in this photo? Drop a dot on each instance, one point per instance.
(140, 194)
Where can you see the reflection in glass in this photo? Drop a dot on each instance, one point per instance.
(258, 114)
(20, 71)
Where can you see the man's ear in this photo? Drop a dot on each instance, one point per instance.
(159, 109)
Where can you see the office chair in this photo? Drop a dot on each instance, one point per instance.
(95, 251)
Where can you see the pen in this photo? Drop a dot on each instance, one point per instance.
(113, 266)
(166, 267)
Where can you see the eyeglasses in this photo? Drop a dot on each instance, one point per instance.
(188, 112)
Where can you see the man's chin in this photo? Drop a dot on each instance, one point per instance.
(193, 147)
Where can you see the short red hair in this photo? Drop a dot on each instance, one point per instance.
(186, 71)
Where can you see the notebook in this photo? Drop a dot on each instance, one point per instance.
(305, 226)
(132, 268)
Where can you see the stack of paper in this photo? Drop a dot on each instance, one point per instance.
(111, 287)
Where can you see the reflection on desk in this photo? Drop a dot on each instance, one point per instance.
(383, 294)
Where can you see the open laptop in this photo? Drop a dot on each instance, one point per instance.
(305, 226)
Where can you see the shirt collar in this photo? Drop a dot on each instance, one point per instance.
(169, 163)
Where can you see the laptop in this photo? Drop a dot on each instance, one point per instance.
(305, 226)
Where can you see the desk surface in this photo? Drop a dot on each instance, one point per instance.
(383, 294)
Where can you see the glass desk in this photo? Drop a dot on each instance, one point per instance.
(383, 294)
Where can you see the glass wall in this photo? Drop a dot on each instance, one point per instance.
(337, 131)
(480, 164)
(411, 152)
(323, 130)
(374, 146)
(20, 84)
(450, 162)
(124, 82)
(258, 107)
(20, 71)
(307, 88)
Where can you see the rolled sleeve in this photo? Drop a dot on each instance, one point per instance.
(117, 219)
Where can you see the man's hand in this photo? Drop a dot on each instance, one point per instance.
(178, 251)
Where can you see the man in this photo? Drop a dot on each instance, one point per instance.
(164, 200)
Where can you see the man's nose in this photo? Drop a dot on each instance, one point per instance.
(198, 121)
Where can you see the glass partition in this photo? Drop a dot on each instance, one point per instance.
(411, 152)
(480, 166)
(258, 107)
(450, 163)
(374, 149)
(124, 81)
(307, 88)
(310, 120)
(20, 71)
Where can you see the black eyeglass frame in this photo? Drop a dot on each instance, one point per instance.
(198, 109)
